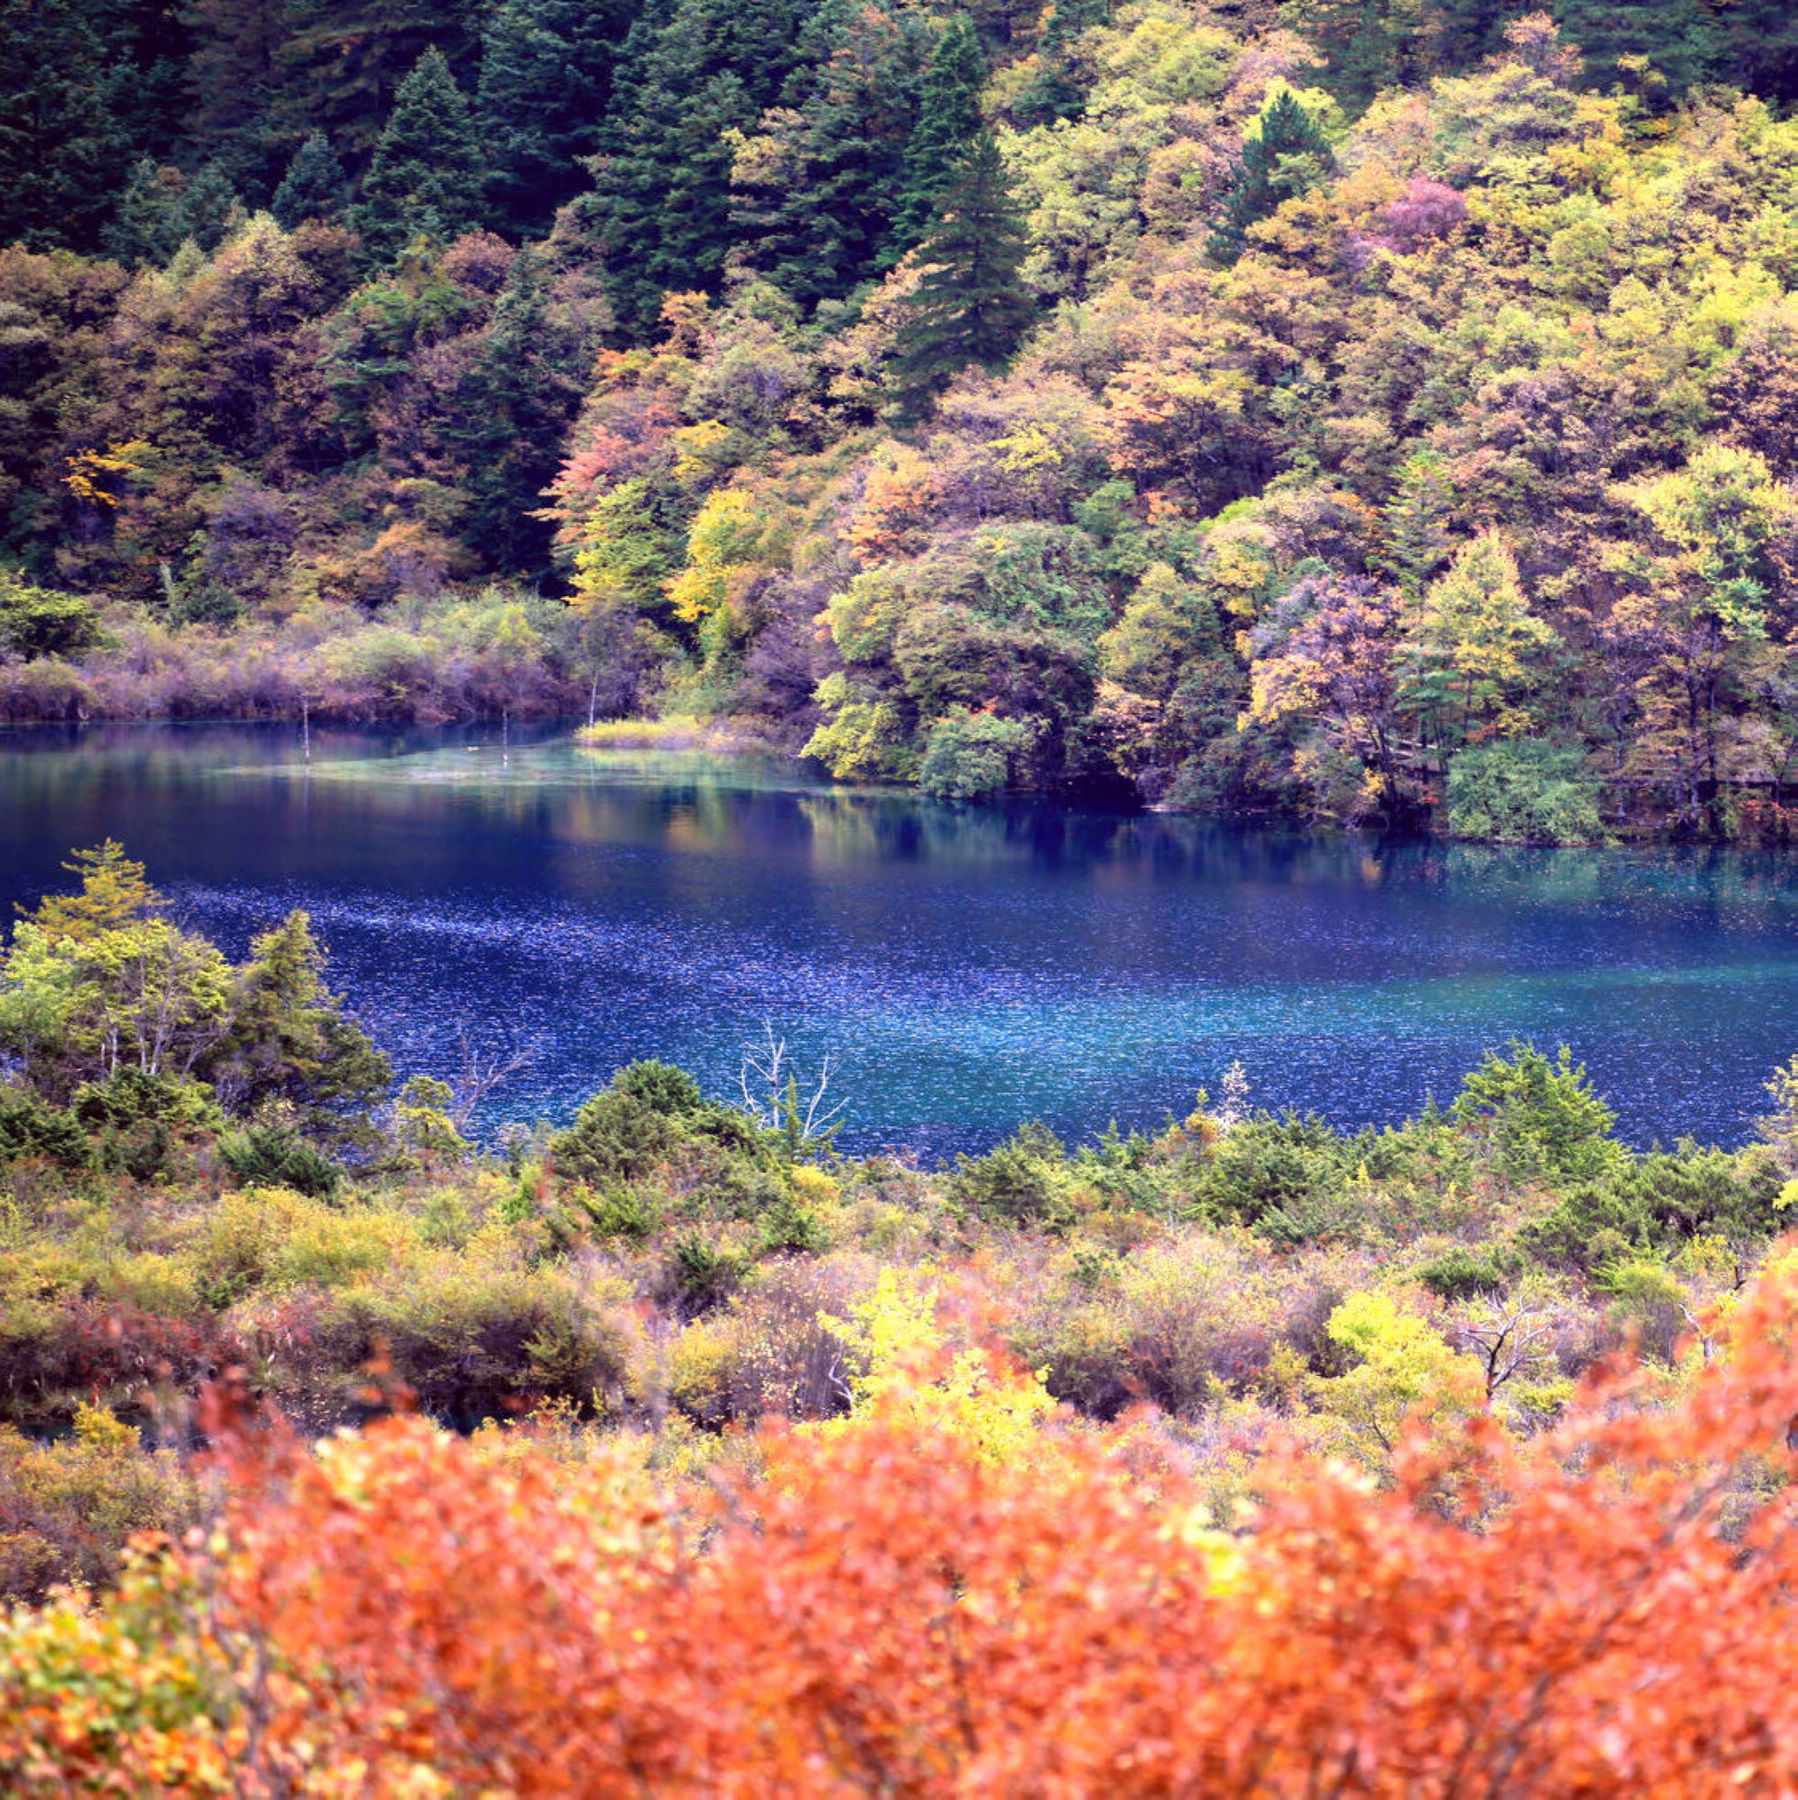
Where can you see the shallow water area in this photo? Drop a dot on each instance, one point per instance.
(964, 967)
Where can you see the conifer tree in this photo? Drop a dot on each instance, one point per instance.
(346, 61)
(1367, 44)
(816, 188)
(1287, 155)
(546, 77)
(948, 119)
(691, 71)
(314, 186)
(971, 307)
(425, 180)
(1056, 92)
(515, 405)
(207, 207)
(235, 73)
(63, 141)
(146, 226)
(1674, 38)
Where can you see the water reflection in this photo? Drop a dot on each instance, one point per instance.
(972, 966)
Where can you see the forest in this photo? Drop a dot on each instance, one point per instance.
(1362, 410)
(672, 1450)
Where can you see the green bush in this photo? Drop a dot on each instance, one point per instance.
(31, 1128)
(272, 1156)
(1699, 1192)
(67, 1508)
(1539, 1120)
(1522, 792)
(1464, 1273)
(971, 754)
(141, 1124)
(1023, 1182)
(477, 1340)
(703, 1271)
(38, 622)
(612, 1212)
(1278, 1174)
(642, 1124)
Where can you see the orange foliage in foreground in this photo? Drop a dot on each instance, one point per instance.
(885, 1610)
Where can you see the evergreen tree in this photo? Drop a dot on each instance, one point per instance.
(1675, 39)
(1460, 34)
(1368, 45)
(546, 77)
(660, 209)
(347, 60)
(314, 186)
(147, 225)
(970, 307)
(816, 189)
(1056, 90)
(63, 133)
(236, 72)
(1757, 48)
(948, 119)
(207, 207)
(514, 406)
(1287, 155)
(425, 180)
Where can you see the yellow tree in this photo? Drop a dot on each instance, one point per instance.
(1476, 650)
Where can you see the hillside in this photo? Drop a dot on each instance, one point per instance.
(1374, 412)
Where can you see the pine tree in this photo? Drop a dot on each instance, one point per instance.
(1286, 156)
(63, 138)
(660, 209)
(146, 226)
(314, 186)
(816, 189)
(1460, 34)
(546, 77)
(1056, 90)
(1415, 522)
(1757, 48)
(346, 61)
(425, 180)
(235, 73)
(1366, 44)
(970, 308)
(1675, 38)
(208, 207)
(948, 119)
(514, 407)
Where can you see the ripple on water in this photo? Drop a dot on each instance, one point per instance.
(968, 967)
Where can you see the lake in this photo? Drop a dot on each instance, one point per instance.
(965, 967)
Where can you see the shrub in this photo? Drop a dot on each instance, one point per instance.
(1466, 1274)
(272, 1156)
(30, 1127)
(1539, 1119)
(1522, 792)
(141, 1123)
(475, 1339)
(1277, 1174)
(1696, 1192)
(1022, 1182)
(703, 1271)
(972, 754)
(643, 1122)
(67, 1509)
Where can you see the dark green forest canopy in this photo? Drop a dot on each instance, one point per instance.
(1371, 410)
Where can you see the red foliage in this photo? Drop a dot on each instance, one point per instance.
(1601, 1611)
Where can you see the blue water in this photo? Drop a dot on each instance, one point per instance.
(965, 968)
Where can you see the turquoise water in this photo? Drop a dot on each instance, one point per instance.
(964, 967)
